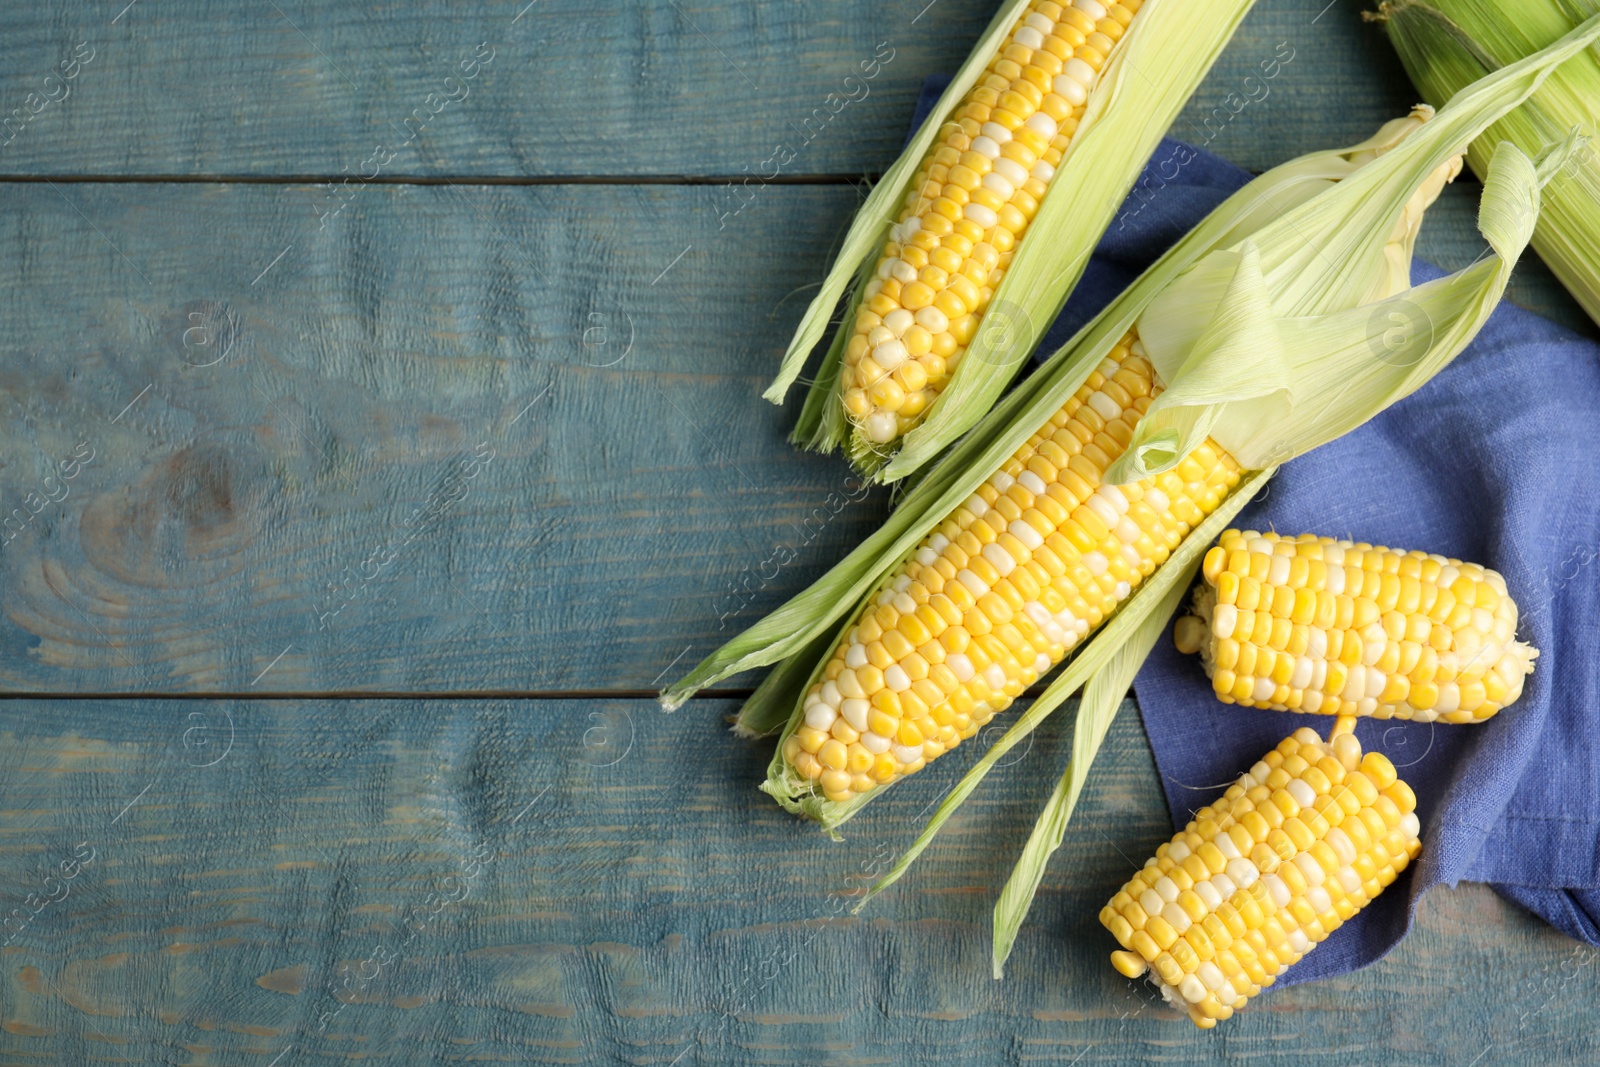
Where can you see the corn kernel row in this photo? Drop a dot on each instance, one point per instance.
(969, 204)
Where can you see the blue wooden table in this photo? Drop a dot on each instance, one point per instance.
(381, 428)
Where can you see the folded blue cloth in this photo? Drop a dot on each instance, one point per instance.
(1493, 462)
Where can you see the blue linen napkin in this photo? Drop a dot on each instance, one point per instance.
(1493, 462)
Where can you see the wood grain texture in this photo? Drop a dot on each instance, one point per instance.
(428, 882)
(360, 475)
(304, 460)
(309, 87)
(267, 436)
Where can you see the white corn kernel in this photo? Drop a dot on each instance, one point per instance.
(899, 321)
(1011, 171)
(1070, 89)
(998, 185)
(995, 676)
(933, 320)
(999, 558)
(855, 712)
(1079, 71)
(1243, 872)
(820, 717)
(995, 132)
(982, 216)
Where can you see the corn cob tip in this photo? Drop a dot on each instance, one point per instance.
(971, 202)
(743, 732)
(1331, 627)
(1300, 843)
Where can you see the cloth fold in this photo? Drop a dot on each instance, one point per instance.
(1496, 461)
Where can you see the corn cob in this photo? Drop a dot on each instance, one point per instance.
(1004, 588)
(1317, 625)
(1295, 847)
(973, 197)
(1446, 44)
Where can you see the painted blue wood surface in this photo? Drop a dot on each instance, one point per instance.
(434, 435)
(697, 87)
(441, 882)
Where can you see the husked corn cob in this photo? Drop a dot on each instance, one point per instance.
(1318, 625)
(970, 203)
(999, 593)
(1295, 847)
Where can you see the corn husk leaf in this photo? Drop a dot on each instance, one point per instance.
(1155, 68)
(1447, 44)
(1103, 695)
(769, 707)
(822, 424)
(1268, 389)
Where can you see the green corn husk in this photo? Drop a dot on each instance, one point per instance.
(1446, 44)
(1153, 71)
(1272, 324)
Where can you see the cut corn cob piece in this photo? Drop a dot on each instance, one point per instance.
(973, 197)
(1003, 589)
(1300, 843)
(1336, 628)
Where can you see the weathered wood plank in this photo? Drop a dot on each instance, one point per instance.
(333, 452)
(1299, 76)
(709, 88)
(309, 87)
(264, 456)
(593, 882)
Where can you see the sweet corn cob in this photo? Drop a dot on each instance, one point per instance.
(1294, 848)
(1317, 625)
(1004, 588)
(1447, 44)
(969, 204)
